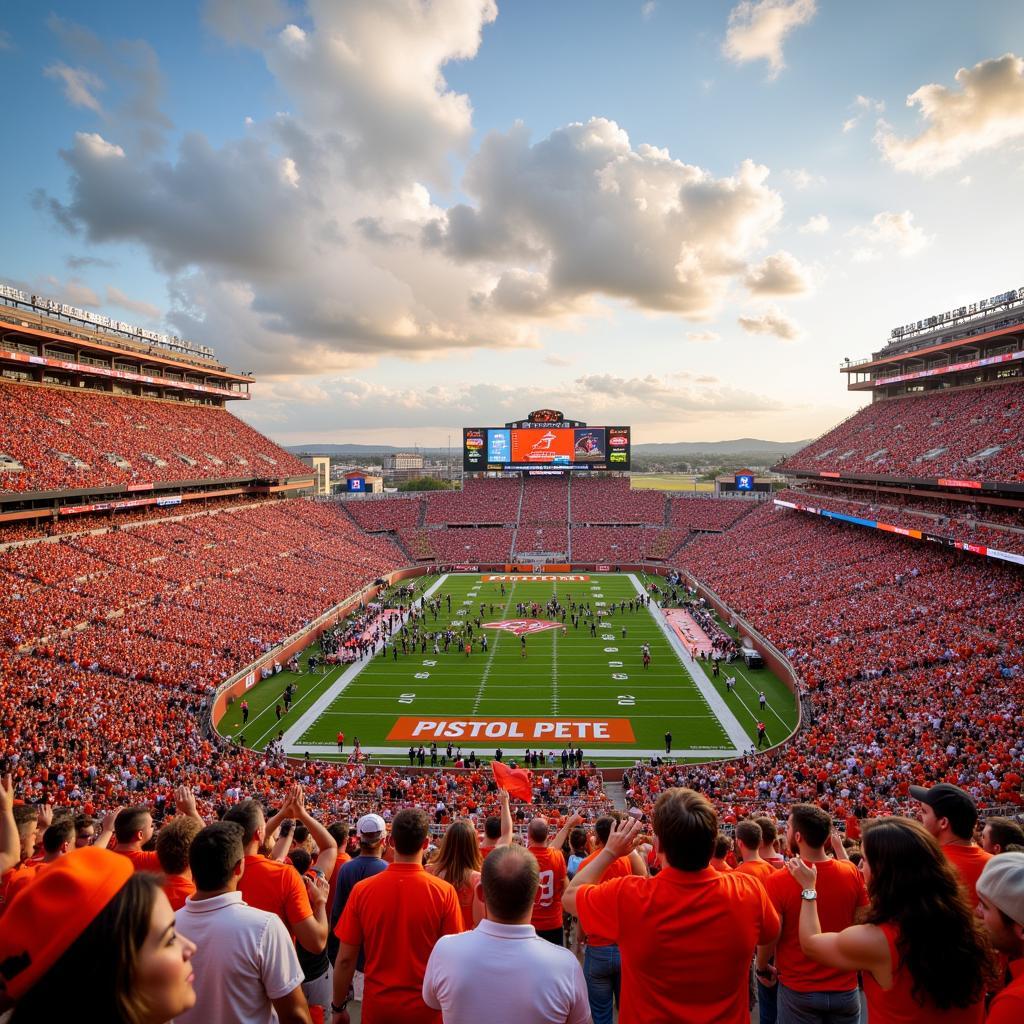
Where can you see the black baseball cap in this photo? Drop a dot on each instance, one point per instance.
(949, 801)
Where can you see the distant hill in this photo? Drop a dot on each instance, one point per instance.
(743, 445)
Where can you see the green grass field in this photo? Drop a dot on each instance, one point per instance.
(682, 482)
(565, 676)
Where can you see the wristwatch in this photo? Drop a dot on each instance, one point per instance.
(809, 894)
(335, 1008)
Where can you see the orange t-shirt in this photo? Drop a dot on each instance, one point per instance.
(547, 908)
(142, 860)
(177, 888)
(686, 939)
(897, 1004)
(840, 892)
(969, 862)
(397, 917)
(20, 878)
(275, 887)
(618, 868)
(759, 869)
(721, 865)
(1008, 1006)
(343, 858)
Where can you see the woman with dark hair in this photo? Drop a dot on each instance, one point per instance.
(458, 862)
(924, 956)
(91, 939)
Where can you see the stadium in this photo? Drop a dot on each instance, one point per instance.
(684, 685)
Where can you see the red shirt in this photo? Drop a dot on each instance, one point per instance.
(142, 860)
(619, 868)
(897, 1004)
(397, 917)
(840, 892)
(177, 888)
(1008, 1006)
(275, 887)
(686, 939)
(969, 862)
(547, 908)
(759, 869)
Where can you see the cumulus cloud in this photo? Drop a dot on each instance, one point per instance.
(889, 231)
(372, 72)
(816, 225)
(647, 9)
(354, 403)
(983, 113)
(779, 274)
(758, 28)
(802, 179)
(640, 226)
(80, 85)
(861, 106)
(772, 321)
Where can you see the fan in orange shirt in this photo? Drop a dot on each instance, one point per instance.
(172, 845)
(396, 916)
(547, 908)
(950, 815)
(686, 936)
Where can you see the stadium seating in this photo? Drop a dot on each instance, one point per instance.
(911, 659)
(943, 519)
(545, 500)
(391, 515)
(480, 501)
(66, 440)
(596, 501)
(710, 514)
(485, 544)
(970, 434)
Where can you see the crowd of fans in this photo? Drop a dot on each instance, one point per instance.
(910, 660)
(712, 515)
(266, 910)
(964, 434)
(64, 440)
(961, 528)
(609, 501)
(481, 500)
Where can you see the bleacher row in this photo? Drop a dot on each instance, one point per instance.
(496, 520)
(58, 439)
(965, 434)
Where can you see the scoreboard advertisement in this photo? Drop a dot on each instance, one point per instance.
(540, 446)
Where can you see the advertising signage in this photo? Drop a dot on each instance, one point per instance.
(576, 447)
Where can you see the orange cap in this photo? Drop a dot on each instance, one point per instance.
(51, 912)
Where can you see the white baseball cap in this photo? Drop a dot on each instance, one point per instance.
(371, 825)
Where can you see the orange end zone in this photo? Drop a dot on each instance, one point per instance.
(601, 730)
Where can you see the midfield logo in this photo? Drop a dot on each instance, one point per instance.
(521, 626)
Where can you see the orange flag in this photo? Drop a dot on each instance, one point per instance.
(516, 780)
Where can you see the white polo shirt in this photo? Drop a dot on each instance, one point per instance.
(504, 972)
(244, 958)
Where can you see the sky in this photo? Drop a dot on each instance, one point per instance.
(405, 217)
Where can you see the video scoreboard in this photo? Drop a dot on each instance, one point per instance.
(545, 445)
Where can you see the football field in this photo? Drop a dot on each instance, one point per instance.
(583, 685)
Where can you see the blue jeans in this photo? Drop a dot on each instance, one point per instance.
(602, 968)
(818, 1007)
(767, 1003)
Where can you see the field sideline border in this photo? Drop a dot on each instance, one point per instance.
(324, 701)
(721, 710)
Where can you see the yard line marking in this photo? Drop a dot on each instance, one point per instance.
(492, 651)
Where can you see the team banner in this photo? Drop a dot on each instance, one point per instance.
(533, 730)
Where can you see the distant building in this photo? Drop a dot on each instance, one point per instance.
(361, 481)
(321, 466)
(403, 460)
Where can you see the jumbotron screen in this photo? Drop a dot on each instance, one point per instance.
(542, 447)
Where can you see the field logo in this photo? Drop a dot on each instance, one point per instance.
(521, 626)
